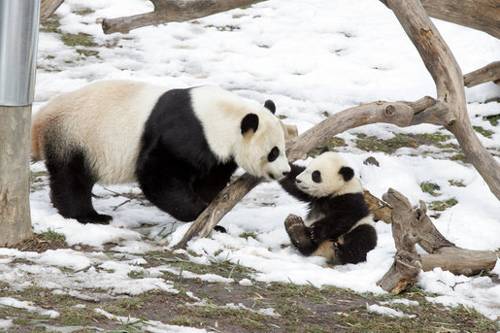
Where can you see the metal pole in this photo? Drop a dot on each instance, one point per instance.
(19, 20)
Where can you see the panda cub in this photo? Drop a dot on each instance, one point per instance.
(180, 145)
(339, 225)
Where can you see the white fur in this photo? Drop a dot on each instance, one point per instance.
(221, 113)
(332, 183)
(107, 118)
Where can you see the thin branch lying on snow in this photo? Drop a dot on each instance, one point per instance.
(411, 226)
(490, 72)
(173, 11)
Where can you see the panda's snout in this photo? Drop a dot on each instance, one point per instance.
(298, 181)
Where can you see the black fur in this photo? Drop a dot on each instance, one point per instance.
(176, 169)
(340, 213)
(347, 173)
(270, 106)
(71, 183)
(249, 123)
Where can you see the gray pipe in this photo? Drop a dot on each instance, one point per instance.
(19, 20)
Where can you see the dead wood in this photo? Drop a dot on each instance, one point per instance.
(404, 271)
(490, 72)
(48, 7)
(172, 11)
(412, 226)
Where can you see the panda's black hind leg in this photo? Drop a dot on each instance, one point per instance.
(71, 183)
(300, 235)
(356, 244)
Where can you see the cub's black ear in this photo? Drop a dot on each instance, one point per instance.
(249, 123)
(347, 173)
(270, 106)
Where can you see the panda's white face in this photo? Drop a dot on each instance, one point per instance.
(328, 175)
(261, 152)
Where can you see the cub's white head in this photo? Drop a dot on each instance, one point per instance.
(261, 148)
(328, 175)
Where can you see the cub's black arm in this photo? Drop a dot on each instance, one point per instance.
(289, 185)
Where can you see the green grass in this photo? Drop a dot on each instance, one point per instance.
(456, 182)
(79, 39)
(431, 188)
(484, 132)
(400, 140)
(440, 205)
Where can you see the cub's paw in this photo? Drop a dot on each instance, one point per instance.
(293, 221)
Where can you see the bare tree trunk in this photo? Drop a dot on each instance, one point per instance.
(15, 221)
(172, 11)
(48, 7)
(490, 72)
(482, 15)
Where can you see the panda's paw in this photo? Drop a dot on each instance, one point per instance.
(292, 221)
(95, 219)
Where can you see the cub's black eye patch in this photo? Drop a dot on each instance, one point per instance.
(273, 154)
(316, 176)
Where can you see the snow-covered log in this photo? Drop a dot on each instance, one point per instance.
(172, 11)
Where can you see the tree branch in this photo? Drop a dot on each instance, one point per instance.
(48, 7)
(173, 11)
(490, 72)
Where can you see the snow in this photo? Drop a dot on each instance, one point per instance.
(28, 306)
(5, 324)
(309, 57)
(385, 311)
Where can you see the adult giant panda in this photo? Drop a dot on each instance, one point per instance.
(181, 145)
(339, 225)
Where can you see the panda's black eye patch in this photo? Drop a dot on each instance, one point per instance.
(273, 154)
(316, 176)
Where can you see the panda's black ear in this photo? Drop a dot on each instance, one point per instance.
(249, 123)
(270, 106)
(347, 173)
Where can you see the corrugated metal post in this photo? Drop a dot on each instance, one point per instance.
(19, 20)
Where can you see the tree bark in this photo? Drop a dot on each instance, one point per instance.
(48, 7)
(15, 221)
(482, 15)
(411, 226)
(490, 72)
(172, 11)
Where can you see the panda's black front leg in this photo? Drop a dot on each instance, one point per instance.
(174, 196)
(210, 185)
